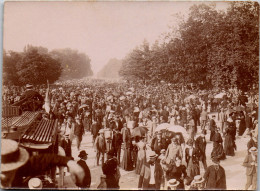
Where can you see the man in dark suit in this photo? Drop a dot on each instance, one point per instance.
(111, 170)
(82, 162)
(200, 145)
(250, 163)
(78, 131)
(158, 143)
(215, 176)
(94, 130)
(116, 143)
(151, 175)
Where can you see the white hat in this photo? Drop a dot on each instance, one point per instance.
(253, 149)
(12, 156)
(172, 183)
(35, 183)
(198, 179)
(29, 86)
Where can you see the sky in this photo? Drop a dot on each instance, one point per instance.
(102, 30)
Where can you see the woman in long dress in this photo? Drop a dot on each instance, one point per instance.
(218, 150)
(140, 155)
(127, 158)
(229, 147)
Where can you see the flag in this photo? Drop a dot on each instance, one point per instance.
(47, 104)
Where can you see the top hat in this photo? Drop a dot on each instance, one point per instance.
(12, 156)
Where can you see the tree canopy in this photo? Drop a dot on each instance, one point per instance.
(210, 48)
(36, 65)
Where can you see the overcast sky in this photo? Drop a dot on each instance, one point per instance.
(102, 30)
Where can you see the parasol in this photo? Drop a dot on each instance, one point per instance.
(178, 129)
(83, 106)
(162, 126)
(122, 98)
(190, 97)
(139, 131)
(220, 95)
(128, 93)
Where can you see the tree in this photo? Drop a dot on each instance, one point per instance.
(37, 68)
(10, 60)
(75, 65)
(111, 69)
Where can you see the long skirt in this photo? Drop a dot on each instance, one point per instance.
(140, 161)
(229, 146)
(126, 163)
(218, 151)
(193, 169)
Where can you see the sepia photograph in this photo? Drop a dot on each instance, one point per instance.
(130, 95)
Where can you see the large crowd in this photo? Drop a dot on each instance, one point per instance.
(156, 130)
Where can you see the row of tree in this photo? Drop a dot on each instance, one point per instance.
(36, 65)
(210, 48)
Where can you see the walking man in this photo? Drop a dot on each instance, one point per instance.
(250, 163)
(100, 145)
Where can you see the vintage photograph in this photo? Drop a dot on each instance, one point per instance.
(117, 95)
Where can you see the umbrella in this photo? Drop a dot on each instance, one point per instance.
(139, 131)
(83, 106)
(128, 93)
(190, 97)
(162, 126)
(220, 95)
(178, 129)
(122, 98)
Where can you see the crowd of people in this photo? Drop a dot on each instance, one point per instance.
(123, 119)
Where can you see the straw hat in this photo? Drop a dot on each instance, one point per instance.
(253, 149)
(35, 183)
(172, 183)
(12, 156)
(198, 179)
(152, 155)
(28, 86)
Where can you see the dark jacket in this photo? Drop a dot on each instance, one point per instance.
(200, 145)
(157, 145)
(95, 130)
(110, 170)
(215, 179)
(117, 141)
(145, 175)
(87, 178)
(78, 129)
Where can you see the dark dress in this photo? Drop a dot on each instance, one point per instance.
(229, 147)
(218, 150)
(242, 125)
(110, 170)
(126, 163)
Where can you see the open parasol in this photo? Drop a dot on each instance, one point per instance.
(139, 131)
(178, 129)
(220, 95)
(162, 126)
